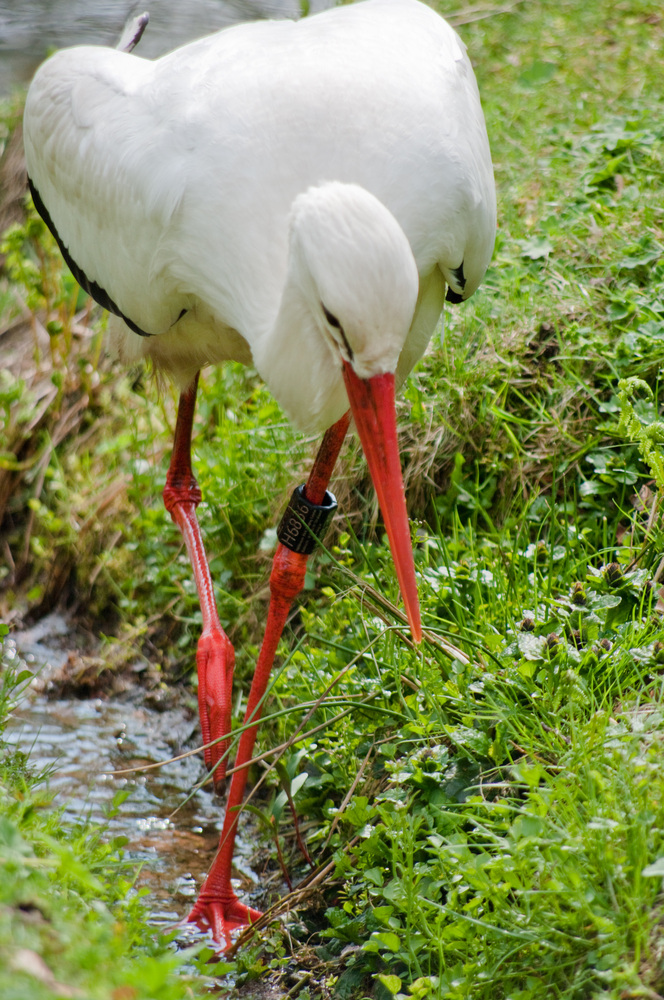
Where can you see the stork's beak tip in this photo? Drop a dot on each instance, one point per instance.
(372, 405)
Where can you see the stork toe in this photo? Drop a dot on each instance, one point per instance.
(222, 916)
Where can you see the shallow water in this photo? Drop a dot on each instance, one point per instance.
(173, 835)
(29, 29)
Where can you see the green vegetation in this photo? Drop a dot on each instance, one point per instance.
(493, 824)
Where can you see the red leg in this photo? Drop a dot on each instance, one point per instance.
(215, 657)
(217, 906)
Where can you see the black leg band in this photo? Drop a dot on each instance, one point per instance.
(304, 522)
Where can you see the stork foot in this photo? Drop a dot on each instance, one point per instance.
(222, 917)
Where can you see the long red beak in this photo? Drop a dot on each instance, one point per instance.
(372, 406)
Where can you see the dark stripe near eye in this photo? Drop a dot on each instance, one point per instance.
(331, 318)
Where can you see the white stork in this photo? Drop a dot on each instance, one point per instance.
(301, 196)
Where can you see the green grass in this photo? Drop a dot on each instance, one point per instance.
(495, 820)
(506, 823)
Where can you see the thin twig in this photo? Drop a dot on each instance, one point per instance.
(448, 648)
(272, 751)
(305, 888)
(347, 798)
(280, 857)
(298, 836)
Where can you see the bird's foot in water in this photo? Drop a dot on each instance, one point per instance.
(222, 916)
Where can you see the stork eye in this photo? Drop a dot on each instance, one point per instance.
(333, 321)
(331, 318)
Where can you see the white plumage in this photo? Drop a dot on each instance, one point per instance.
(172, 183)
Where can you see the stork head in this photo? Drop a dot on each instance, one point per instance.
(355, 271)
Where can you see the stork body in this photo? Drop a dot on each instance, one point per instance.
(296, 195)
